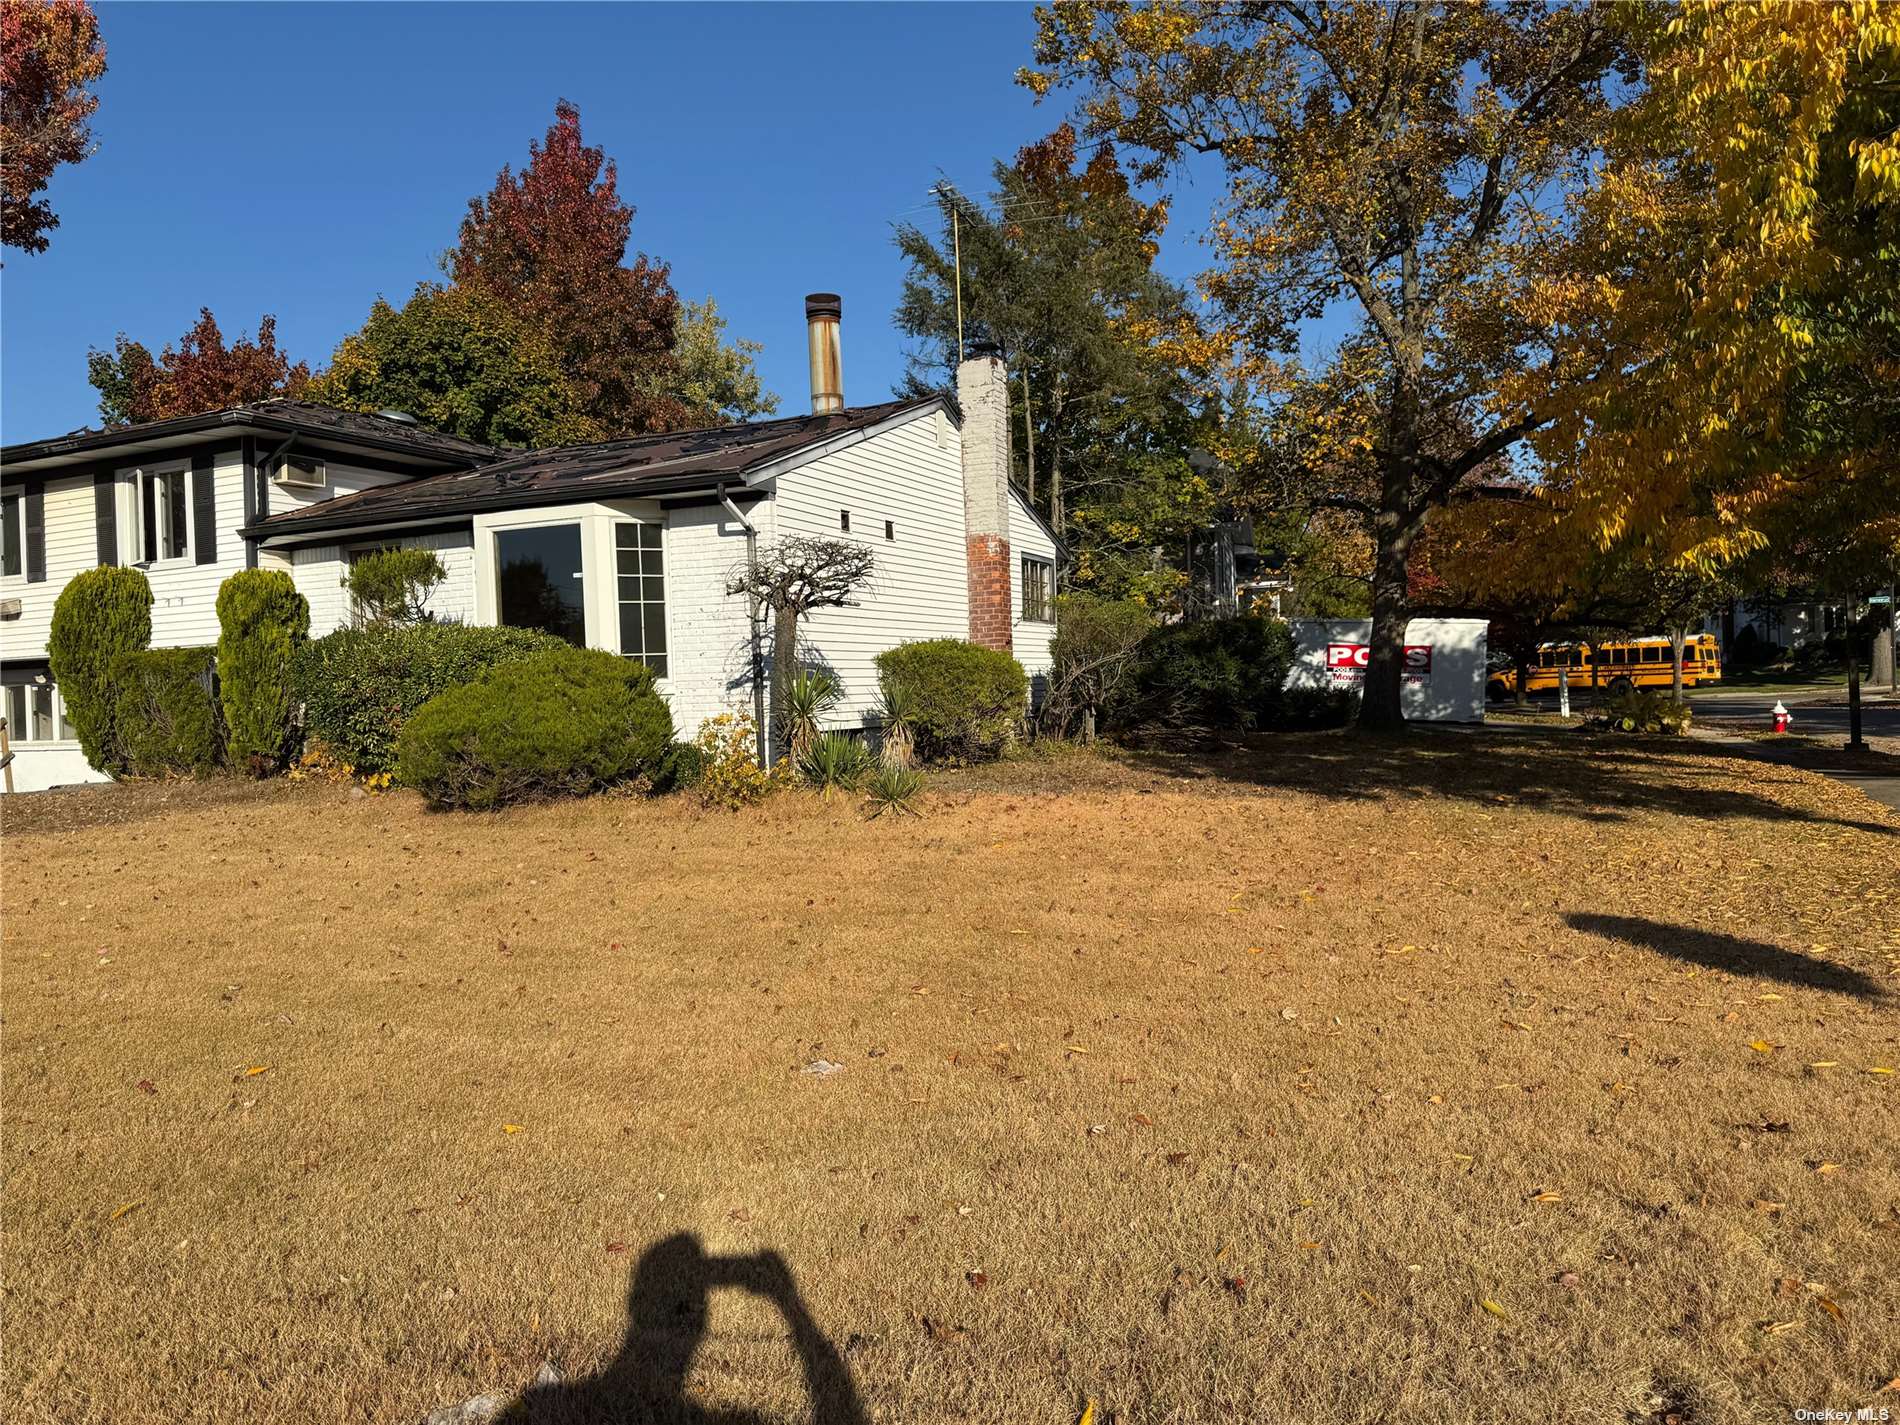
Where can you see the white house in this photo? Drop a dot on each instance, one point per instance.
(625, 545)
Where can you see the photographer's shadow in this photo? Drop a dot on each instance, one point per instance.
(667, 1306)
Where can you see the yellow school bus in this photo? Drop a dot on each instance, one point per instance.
(1616, 665)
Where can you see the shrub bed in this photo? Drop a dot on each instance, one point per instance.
(261, 620)
(1214, 673)
(166, 715)
(559, 724)
(964, 701)
(360, 686)
(99, 616)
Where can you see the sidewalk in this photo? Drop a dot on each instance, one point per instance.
(1880, 786)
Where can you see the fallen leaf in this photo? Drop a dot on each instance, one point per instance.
(147, 1086)
(1825, 1064)
(1775, 1328)
(1829, 1307)
(1238, 1286)
(942, 1331)
(1547, 1196)
(1176, 1159)
(1370, 1299)
(1879, 1069)
(1568, 1279)
(1143, 1119)
(1827, 1167)
(1492, 1307)
(740, 1214)
(1088, 1415)
(1077, 1049)
(1761, 1046)
(256, 1069)
(1095, 1128)
(977, 1279)
(131, 1206)
(511, 1128)
(1770, 1208)
(614, 1249)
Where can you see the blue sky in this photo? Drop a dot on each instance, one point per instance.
(300, 159)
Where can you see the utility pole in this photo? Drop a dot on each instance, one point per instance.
(956, 260)
(1029, 435)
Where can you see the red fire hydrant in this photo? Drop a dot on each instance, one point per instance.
(1781, 716)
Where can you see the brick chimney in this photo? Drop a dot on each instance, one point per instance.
(983, 392)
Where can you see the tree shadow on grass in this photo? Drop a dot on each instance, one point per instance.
(667, 1305)
(1592, 778)
(1716, 951)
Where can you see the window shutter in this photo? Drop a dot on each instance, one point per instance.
(35, 531)
(204, 511)
(105, 515)
(148, 516)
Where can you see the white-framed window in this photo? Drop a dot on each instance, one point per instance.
(1039, 590)
(640, 572)
(12, 531)
(161, 513)
(35, 712)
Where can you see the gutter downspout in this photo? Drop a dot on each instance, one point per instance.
(752, 614)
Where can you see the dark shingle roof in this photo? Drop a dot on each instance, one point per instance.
(280, 416)
(640, 466)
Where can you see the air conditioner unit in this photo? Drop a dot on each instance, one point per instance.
(302, 472)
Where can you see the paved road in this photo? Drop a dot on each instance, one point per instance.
(1756, 710)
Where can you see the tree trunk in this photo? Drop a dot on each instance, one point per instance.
(784, 669)
(1057, 514)
(1854, 741)
(1380, 709)
(1677, 637)
(1522, 656)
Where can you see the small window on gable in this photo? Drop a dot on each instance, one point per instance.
(1039, 581)
(890, 529)
(844, 520)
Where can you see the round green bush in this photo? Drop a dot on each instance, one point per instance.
(560, 724)
(359, 686)
(165, 712)
(966, 701)
(1213, 673)
(261, 620)
(100, 615)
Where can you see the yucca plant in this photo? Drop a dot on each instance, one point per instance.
(808, 697)
(835, 762)
(896, 790)
(898, 743)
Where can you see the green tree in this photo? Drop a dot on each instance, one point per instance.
(1058, 270)
(716, 381)
(261, 620)
(99, 616)
(459, 361)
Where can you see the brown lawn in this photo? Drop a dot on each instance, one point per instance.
(1467, 1080)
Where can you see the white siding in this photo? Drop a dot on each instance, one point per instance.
(709, 643)
(1030, 642)
(321, 573)
(911, 477)
(71, 547)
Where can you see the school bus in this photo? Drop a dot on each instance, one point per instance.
(1617, 664)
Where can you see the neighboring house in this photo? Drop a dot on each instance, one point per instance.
(625, 545)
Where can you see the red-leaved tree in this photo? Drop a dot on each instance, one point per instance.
(548, 244)
(199, 373)
(50, 53)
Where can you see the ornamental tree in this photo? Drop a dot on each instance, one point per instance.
(548, 245)
(198, 373)
(790, 579)
(1398, 158)
(50, 57)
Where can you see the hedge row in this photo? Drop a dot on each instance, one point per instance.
(360, 686)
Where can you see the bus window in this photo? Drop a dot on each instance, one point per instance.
(1651, 653)
(1688, 653)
